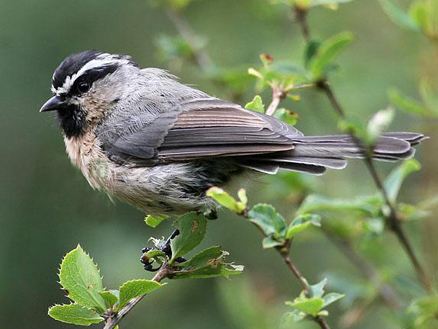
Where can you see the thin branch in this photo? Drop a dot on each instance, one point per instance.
(386, 292)
(301, 17)
(113, 320)
(201, 57)
(284, 252)
(278, 94)
(392, 219)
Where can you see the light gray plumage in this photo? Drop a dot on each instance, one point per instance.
(144, 137)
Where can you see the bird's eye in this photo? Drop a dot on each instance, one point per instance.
(83, 86)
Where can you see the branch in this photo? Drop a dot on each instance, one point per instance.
(386, 292)
(113, 320)
(201, 57)
(284, 252)
(278, 94)
(392, 220)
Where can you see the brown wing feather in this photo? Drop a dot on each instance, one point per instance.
(211, 127)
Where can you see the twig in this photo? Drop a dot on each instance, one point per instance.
(301, 16)
(201, 57)
(392, 219)
(388, 295)
(278, 94)
(112, 321)
(284, 252)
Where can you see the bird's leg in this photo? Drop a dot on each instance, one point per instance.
(211, 214)
(166, 250)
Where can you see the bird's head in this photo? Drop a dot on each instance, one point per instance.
(85, 86)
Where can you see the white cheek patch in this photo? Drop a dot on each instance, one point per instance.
(100, 61)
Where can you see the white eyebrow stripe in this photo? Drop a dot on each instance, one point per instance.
(100, 61)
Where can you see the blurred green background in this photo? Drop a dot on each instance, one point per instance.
(46, 206)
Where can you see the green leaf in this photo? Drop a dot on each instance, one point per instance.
(82, 280)
(268, 219)
(398, 15)
(311, 51)
(317, 203)
(379, 123)
(332, 297)
(226, 200)
(153, 220)
(271, 242)
(75, 314)
(311, 306)
(207, 264)
(317, 290)
(136, 288)
(256, 105)
(295, 316)
(301, 223)
(286, 116)
(111, 297)
(192, 227)
(407, 104)
(425, 310)
(171, 48)
(395, 179)
(327, 53)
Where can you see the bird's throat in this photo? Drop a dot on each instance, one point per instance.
(72, 120)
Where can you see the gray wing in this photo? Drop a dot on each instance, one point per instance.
(202, 128)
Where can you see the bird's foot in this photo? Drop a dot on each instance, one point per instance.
(161, 252)
(211, 214)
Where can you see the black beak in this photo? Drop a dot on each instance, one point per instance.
(54, 103)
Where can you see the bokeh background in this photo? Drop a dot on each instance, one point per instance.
(47, 208)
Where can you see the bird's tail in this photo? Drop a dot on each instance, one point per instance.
(313, 154)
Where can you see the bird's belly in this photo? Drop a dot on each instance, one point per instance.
(155, 190)
(163, 189)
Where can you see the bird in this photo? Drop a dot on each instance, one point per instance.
(142, 136)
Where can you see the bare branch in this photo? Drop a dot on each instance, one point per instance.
(278, 94)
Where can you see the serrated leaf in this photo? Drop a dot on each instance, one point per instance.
(268, 219)
(192, 227)
(207, 264)
(136, 288)
(398, 15)
(395, 179)
(226, 200)
(301, 223)
(286, 116)
(75, 314)
(110, 297)
(81, 278)
(311, 306)
(379, 123)
(327, 53)
(331, 297)
(154, 220)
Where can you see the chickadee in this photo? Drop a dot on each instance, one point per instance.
(147, 139)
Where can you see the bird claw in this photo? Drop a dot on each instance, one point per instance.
(165, 248)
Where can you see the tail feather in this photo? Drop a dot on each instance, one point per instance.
(313, 154)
